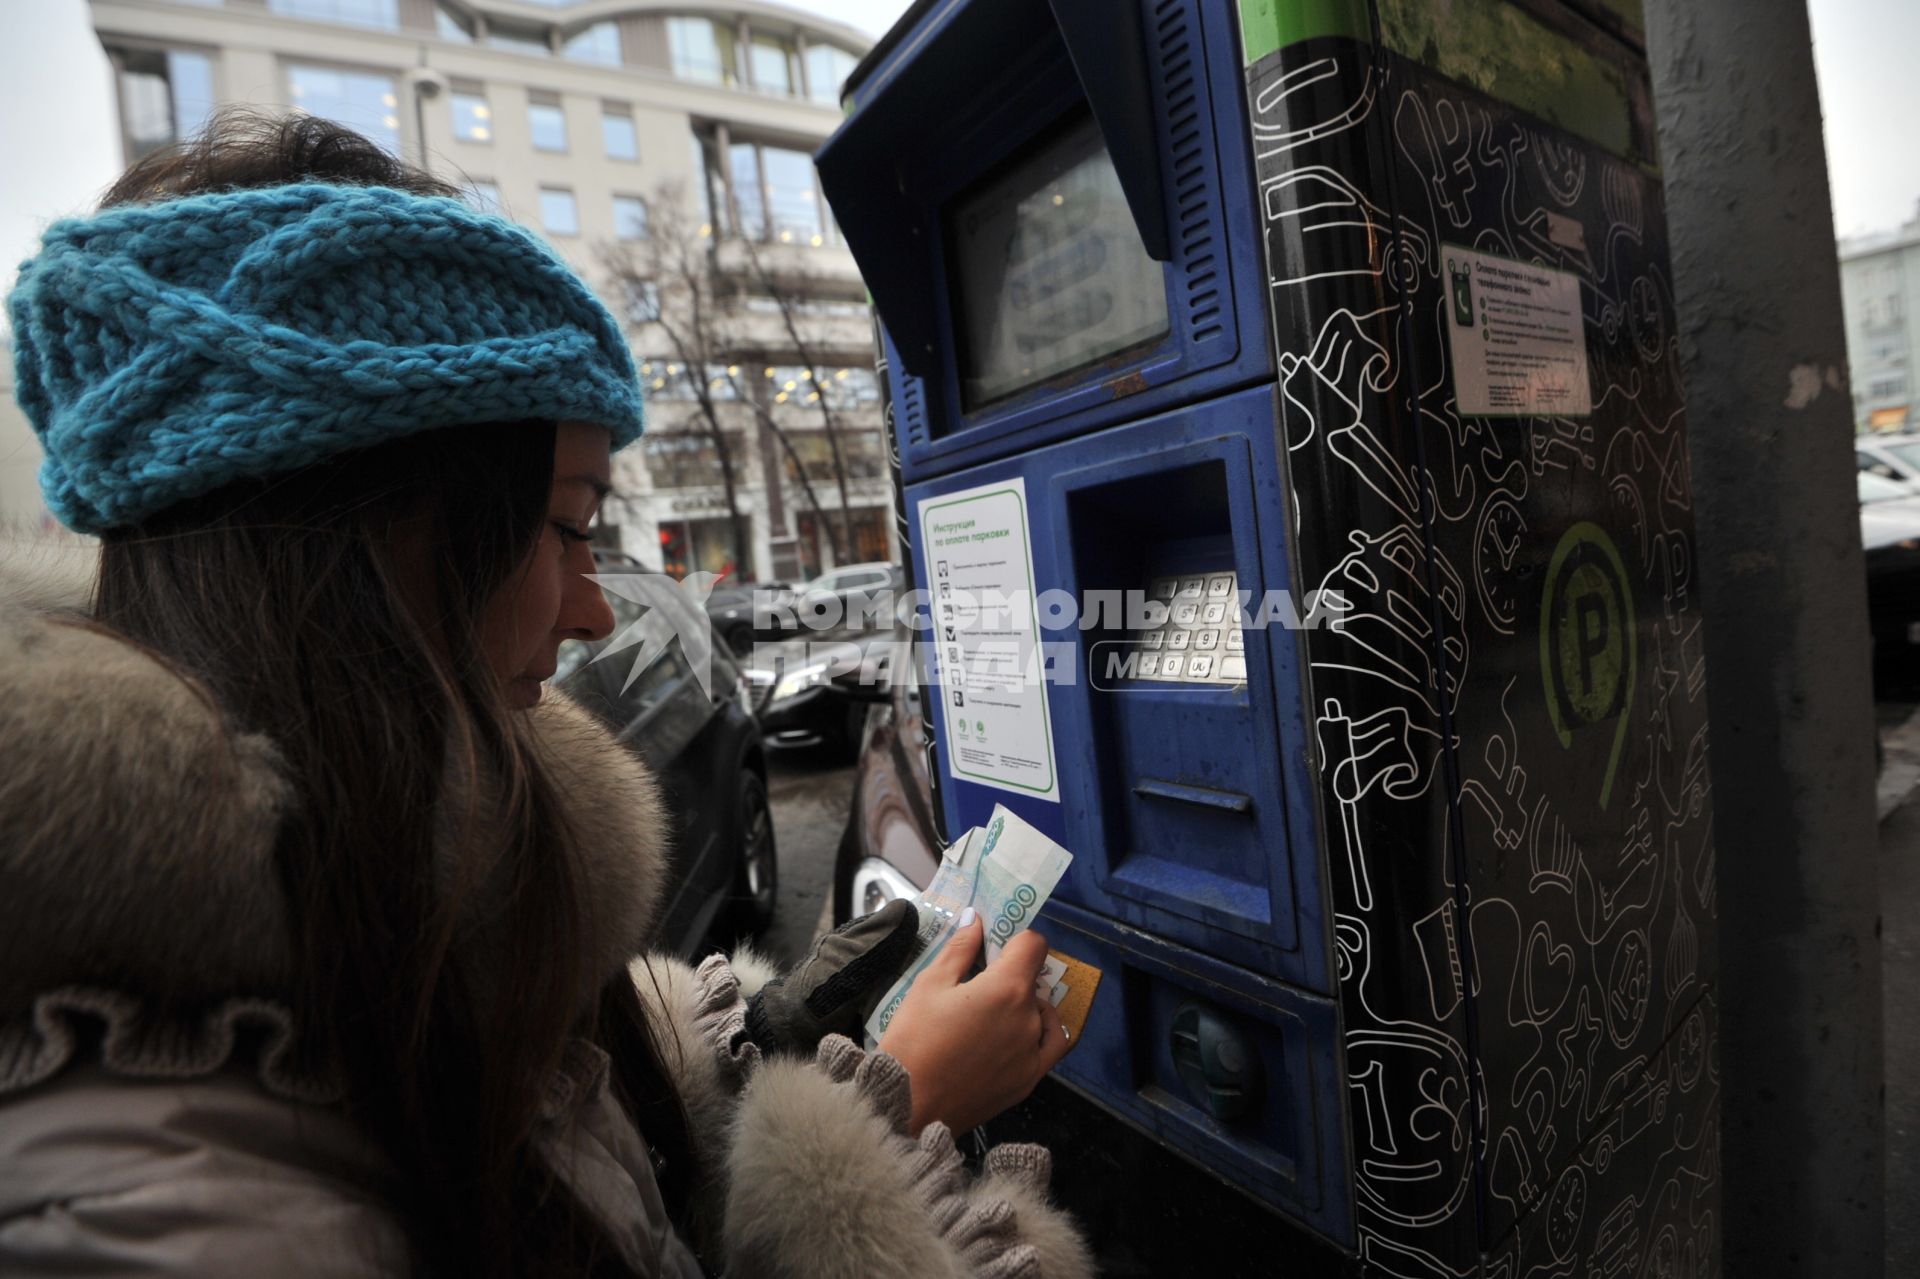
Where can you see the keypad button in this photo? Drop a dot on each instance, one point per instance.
(1206, 639)
(1192, 588)
(1186, 614)
(1213, 614)
(1236, 640)
(1170, 668)
(1234, 667)
(1179, 639)
(1150, 664)
(1201, 666)
(1220, 586)
(1163, 588)
(1153, 639)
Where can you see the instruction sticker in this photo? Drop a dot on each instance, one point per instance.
(992, 678)
(1518, 341)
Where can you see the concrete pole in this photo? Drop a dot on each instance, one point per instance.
(1784, 590)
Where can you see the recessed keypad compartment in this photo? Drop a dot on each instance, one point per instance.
(1200, 639)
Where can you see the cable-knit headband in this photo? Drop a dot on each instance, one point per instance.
(164, 350)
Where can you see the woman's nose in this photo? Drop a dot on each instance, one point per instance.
(584, 611)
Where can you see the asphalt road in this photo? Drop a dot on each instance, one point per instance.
(810, 795)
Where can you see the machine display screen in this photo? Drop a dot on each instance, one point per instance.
(1048, 271)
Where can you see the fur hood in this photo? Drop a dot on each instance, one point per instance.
(137, 831)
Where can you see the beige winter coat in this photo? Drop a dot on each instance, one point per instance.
(135, 838)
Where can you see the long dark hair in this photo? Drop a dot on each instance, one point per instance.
(285, 599)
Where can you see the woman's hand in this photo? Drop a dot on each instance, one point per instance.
(974, 1048)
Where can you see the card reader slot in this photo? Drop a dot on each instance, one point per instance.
(1206, 797)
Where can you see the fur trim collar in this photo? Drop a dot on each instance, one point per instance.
(137, 830)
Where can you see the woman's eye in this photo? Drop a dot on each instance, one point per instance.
(570, 534)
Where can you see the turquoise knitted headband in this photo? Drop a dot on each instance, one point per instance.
(162, 351)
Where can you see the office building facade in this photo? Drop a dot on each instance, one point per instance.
(606, 125)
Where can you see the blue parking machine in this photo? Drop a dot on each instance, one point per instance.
(1295, 383)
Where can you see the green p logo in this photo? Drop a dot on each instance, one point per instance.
(1587, 656)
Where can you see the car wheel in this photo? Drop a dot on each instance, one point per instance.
(739, 638)
(756, 884)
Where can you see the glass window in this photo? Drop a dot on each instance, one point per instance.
(744, 160)
(361, 100)
(164, 96)
(702, 185)
(792, 201)
(597, 43)
(863, 453)
(771, 61)
(701, 49)
(519, 40)
(629, 217)
(549, 125)
(485, 196)
(618, 135)
(472, 117)
(452, 26)
(365, 13)
(642, 301)
(557, 212)
(827, 69)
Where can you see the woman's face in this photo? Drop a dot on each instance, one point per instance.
(550, 598)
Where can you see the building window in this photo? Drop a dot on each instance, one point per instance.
(518, 40)
(557, 212)
(701, 49)
(786, 207)
(771, 62)
(449, 25)
(863, 453)
(164, 96)
(485, 196)
(827, 69)
(641, 301)
(549, 125)
(597, 43)
(1886, 388)
(472, 117)
(793, 201)
(702, 185)
(618, 134)
(706, 544)
(629, 217)
(361, 13)
(362, 100)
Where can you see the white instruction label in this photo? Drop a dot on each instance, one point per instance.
(986, 638)
(1518, 341)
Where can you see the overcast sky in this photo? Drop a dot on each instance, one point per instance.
(59, 148)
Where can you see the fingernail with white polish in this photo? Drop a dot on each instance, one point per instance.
(967, 917)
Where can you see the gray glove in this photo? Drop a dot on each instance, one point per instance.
(835, 988)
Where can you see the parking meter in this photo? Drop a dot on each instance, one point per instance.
(1303, 375)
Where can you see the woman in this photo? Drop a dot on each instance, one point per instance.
(316, 909)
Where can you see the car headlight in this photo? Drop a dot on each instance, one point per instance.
(794, 683)
(875, 883)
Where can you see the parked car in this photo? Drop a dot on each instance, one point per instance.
(891, 846)
(839, 597)
(815, 689)
(1894, 457)
(705, 746)
(731, 610)
(1890, 535)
